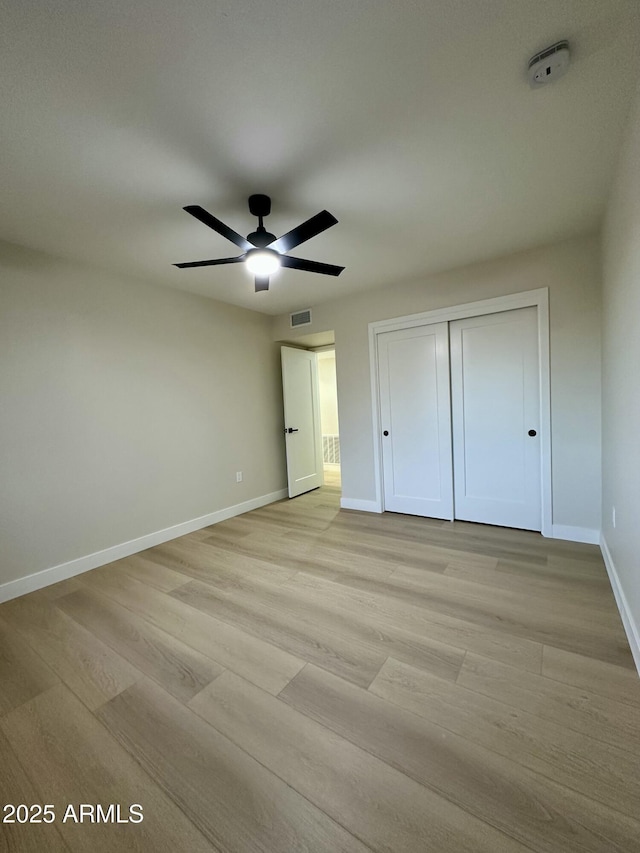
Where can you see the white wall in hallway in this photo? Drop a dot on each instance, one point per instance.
(328, 393)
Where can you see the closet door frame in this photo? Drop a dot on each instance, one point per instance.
(539, 299)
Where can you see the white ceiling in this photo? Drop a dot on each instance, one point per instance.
(411, 121)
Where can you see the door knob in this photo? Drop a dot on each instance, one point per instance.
(291, 430)
(532, 432)
(386, 432)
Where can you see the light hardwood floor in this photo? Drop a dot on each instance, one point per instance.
(302, 678)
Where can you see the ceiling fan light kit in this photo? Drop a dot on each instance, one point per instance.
(263, 253)
(262, 261)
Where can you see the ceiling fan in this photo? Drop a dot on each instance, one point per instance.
(263, 253)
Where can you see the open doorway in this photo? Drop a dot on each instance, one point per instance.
(325, 425)
(328, 391)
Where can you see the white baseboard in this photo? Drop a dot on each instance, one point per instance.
(361, 506)
(630, 627)
(576, 534)
(38, 580)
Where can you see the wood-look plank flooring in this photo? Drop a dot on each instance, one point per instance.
(304, 678)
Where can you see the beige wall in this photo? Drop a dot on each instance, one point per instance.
(125, 409)
(571, 271)
(621, 368)
(328, 393)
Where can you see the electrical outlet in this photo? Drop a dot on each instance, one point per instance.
(239, 478)
(613, 516)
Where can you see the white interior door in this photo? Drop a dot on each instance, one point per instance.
(495, 393)
(415, 414)
(301, 420)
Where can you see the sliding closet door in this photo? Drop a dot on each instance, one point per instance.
(415, 414)
(496, 409)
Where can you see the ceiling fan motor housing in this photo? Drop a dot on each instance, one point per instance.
(261, 238)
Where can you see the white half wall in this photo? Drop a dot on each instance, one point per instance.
(126, 410)
(621, 384)
(572, 272)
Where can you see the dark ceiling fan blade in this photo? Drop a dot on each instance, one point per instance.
(262, 283)
(212, 263)
(309, 266)
(318, 223)
(207, 219)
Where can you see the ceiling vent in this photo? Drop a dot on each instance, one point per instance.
(549, 65)
(301, 318)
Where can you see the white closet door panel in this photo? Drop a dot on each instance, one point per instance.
(415, 412)
(495, 402)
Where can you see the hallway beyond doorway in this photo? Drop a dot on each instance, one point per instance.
(332, 477)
